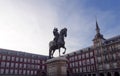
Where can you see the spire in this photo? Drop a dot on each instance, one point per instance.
(98, 34)
(97, 28)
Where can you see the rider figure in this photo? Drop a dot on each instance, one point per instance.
(56, 34)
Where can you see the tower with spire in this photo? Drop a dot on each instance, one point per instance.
(98, 47)
(98, 39)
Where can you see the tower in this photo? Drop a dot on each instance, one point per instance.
(98, 39)
(98, 48)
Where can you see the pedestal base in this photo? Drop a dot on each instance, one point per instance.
(57, 66)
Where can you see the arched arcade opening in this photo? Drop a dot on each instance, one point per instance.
(101, 74)
(108, 74)
(116, 74)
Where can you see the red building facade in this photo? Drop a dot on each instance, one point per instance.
(20, 63)
(81, 62)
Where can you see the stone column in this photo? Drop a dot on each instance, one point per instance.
(57, 66)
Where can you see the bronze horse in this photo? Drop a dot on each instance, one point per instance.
(60, 43)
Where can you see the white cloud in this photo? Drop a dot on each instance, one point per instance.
(26, 27)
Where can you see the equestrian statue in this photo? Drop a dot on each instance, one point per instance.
(58, 41)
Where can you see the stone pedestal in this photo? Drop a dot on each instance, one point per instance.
(57, 66)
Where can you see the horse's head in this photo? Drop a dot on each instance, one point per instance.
(65, 32)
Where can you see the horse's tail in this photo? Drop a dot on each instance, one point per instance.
(49, 53)
(51, 43)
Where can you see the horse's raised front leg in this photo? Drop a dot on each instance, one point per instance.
(65, 50)
(49, 53)
(53, 53)
(59, 52)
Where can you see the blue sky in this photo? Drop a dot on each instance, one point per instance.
(27, 25)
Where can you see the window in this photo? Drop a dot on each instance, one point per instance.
(35, 66)
(24, 72)
(88, 62)
(7, 71)
(28, 60)
(28, 72)
(114, 56)
(107, 57)
(3, 57)
(32, 66)
(84, 63)
(98, 59)
(75, 57)
(70, 65)
(98, 52)
(31, 72)
(107, 66)
(110, 57)
(7, 64)
(17, 59)
(88, 68)
(119, 46)
(67, 65)
(91, 54)
(80, 69)
(84, 69)
(80, 63)
(12, 64)
(2, 64)
(100, 67)
(0, 57)
(8, 58)
(72, 58)
(38, 61)
(16, 71)
(87, 55)
(2, 71)
(20, 66)
(76, 70)
(28, 66)
(92, 61)
(20, 72)
(79, 56)
(16, 65)
(32, 60)
(38, 67)
(21, 59)
(76, 64)
(43, 67)
(25, 60)
(24, 66)
(43, 62)
(73, 64)
(35, 61)
(11, 71)
(119, 54)
(73, 70)
(115, 65)
(35, 72)
(91, 68)
(83, 56)
(13, 58)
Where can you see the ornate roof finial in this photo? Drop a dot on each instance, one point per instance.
(97, 27)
